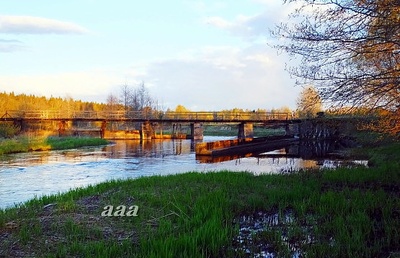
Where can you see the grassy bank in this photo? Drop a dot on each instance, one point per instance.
(232, 130)
(25, 144)
(341, 213)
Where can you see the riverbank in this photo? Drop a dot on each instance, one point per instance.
(26, 144)
(232, 130)
(340, 213)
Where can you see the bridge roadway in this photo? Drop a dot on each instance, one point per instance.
(149, 116)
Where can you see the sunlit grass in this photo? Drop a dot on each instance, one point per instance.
(25, 144)
(60, 143)
(229, 130)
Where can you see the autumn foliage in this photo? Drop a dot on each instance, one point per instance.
(11, 101)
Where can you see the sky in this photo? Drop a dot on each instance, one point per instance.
(205, 55)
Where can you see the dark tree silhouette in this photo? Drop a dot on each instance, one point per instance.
(348, 49)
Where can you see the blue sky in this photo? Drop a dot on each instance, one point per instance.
(205, 55)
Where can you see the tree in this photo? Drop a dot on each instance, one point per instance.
(126, 93)
(112, 102)
(348, 49)
(309, 102)
(141, 98)
(181, 109)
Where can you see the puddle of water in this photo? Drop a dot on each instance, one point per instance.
(270, 234)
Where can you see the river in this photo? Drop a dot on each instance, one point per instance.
(24, 176)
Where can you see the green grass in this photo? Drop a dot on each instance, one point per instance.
(232, 130)
(61, 143)
(348, 212)
(25, 144)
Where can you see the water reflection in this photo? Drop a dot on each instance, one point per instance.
(25, 175)
(155, 149)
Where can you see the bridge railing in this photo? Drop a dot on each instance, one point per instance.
(147, 115)
(225, 116)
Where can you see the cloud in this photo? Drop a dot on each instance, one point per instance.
(252, 27)
(201, 6)
(7, 46)
(210, 78)
(223, 78)
(37, 25)
(249, 27)
(219, 22)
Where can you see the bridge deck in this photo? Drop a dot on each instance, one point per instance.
(154, 116)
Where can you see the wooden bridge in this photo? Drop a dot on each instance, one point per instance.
(149, 116)
(144, 124)
(149, 121)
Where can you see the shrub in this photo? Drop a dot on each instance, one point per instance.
(8, 130)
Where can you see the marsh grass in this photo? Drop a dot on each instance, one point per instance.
(25, 144)
(336, 213)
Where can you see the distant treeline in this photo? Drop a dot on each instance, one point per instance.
(11, 101)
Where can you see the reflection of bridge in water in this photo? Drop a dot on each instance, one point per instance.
(143, 124)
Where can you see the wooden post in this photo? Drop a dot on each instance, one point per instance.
(196, 131)
(147, 131)
(61, 128)
(245, 130)
(103, 129)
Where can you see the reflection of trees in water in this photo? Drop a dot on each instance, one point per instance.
(313, 149)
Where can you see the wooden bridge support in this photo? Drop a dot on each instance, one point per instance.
(245, 131)
(147, 131)
(158, 130)
(103, 129)
(178, 132)
(19, 123)
(61, 127)
(196, 131)
(314, 129)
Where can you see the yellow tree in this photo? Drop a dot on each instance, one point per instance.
(181, 109)
(309, 102)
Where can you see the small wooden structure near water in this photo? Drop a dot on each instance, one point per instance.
(247, 145)
(308, 129)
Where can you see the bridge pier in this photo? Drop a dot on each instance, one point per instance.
(103, 129)
(61, 128)
(314, 129)
(245, 130)
(196, 131)
(19, 123)
(147, 131)
(158, 130)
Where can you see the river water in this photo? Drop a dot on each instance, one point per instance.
(26, 175)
